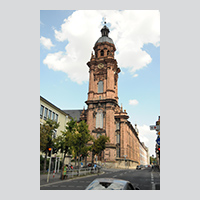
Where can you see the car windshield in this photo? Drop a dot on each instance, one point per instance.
(106, 186)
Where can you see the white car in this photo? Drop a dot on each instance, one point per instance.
(111, 184)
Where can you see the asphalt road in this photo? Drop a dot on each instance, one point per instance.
(145, 179)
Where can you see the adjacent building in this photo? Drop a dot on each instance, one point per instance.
(49, 110)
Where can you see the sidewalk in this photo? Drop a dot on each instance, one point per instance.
(56, 178)
(43, 178)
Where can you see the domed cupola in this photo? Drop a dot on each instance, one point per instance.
(104, 36)
(104, 44)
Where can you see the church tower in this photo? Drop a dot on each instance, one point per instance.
(103, 115)
(103, 92)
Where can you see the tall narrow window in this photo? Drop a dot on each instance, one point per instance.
(41, 111)
(117, 126)
(118, 138)
(56, 118)
(52, 116)
(100, 87)
(99, 119)
(45, 113)
(49, 116)
(102, 53)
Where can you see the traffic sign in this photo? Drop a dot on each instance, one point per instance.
(158, 140)
(155, 127)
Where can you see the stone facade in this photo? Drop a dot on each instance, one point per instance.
(103, 115)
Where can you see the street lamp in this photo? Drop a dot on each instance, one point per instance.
(50, 149)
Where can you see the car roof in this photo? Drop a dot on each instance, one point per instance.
(107, 184)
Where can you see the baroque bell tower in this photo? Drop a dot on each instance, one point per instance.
(103, 113)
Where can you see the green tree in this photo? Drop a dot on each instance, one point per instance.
(99, 145)
(46, 132)
(80, 140)
(66, 139)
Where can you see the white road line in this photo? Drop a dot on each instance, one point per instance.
(152, 182)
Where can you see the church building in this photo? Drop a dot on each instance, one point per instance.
(103, 114)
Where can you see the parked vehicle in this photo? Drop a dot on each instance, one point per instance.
(138, 167)
(110, 184)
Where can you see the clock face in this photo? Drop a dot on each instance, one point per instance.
(100, 66)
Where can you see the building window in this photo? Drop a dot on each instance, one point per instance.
(102, 53)
(52, 116)
(108, 53)
(49, 116)
(56, 118)
(100, 87)
(117, 126)
(118, 138)
(54, 134)
(99, 119)
(45, 113)
(41, 111)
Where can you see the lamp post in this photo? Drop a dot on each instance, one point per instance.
(49, 166)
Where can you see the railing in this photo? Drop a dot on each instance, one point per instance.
(82, 172)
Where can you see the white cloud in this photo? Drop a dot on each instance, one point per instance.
(46, 42)
(148, 137)
(130, 30)
(135, 75)
(133, 102)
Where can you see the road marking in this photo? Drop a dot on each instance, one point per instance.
(152, 182)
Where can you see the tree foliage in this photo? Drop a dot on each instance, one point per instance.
(46, 141)
(99, 145)
(46, 132)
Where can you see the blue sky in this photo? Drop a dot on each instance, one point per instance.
(67, 39)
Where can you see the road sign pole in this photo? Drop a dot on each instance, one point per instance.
(55, 164)
(58, 164)
(49, 167)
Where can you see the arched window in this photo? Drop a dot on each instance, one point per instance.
(102, 53)
(99, 119)
(100, 87)
(108, 53)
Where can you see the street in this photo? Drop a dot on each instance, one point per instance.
(145, 179)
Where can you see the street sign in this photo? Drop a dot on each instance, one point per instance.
(155, 127)
(158, 140)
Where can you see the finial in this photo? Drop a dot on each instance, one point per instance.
(104, 20)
